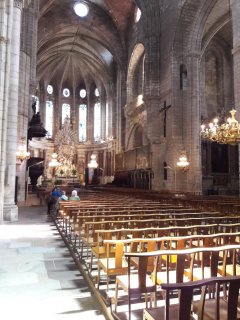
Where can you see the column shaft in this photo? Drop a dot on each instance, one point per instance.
(10, 209)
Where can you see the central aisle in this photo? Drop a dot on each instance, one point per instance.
(38, 277)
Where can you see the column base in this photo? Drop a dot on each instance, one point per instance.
(10, 212)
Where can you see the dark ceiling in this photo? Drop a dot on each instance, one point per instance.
(72, 50)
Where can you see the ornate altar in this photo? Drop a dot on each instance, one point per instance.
(65, 144)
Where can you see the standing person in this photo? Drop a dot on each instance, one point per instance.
(55, 194)
(74, 196)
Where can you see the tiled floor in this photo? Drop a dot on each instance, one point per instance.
(38, 277)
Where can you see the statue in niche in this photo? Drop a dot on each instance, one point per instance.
(34, 106)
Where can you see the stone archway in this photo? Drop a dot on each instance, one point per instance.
(192, 33)
(134, 66)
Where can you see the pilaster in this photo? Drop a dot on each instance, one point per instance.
(191, 125)
(235, 10)
(6, 17)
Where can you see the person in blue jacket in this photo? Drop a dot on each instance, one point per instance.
(55, 194)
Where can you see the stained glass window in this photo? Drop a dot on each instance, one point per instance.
(82, 122)
(49, 118)
(97, 121)
(107, 119)
(65, 111)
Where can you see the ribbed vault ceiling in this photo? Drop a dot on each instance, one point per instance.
(73, 49)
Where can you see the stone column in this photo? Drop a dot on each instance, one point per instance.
(6, 8)
(117, 120)
(157, 149)
(42, 101)
(23, 103)
(191, 126)
(10, 209)
(235, 8)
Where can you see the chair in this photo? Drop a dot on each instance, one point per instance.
(100, 250)
(205, 308)
(112, 266)
(137, 282)
(230, 263)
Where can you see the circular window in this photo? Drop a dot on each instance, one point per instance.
(50, 89)
(83, 93)
(96, 92)
(138, 14)
(66, 93)
(81, 9)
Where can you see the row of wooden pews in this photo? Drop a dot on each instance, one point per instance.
(155, 243)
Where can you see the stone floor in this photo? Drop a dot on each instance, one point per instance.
(38, 277)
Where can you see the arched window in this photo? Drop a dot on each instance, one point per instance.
(97, 121)
(137, 15)
(49, 118)
(136, 73)
(65, 111)
(96, 92)
(183, 77)
(82, 122)
(107, 119)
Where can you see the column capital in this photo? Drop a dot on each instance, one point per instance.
(18, 4)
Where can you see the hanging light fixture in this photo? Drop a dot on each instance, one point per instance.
(93, 163)
(219, 130)
(225, 133)
(183, 162)
(22, 154)
(54, 162)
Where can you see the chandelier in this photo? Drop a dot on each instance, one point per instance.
(225, 133)
(22, 154)
(54, 162)
(93, 163)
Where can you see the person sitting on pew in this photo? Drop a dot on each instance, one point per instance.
(63, 197)
(60, 199)
(74, 196)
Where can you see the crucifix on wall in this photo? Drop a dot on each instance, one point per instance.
(164, 109)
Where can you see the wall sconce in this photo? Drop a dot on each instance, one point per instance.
(183, 162)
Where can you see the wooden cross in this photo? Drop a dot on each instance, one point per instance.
(164, 109)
